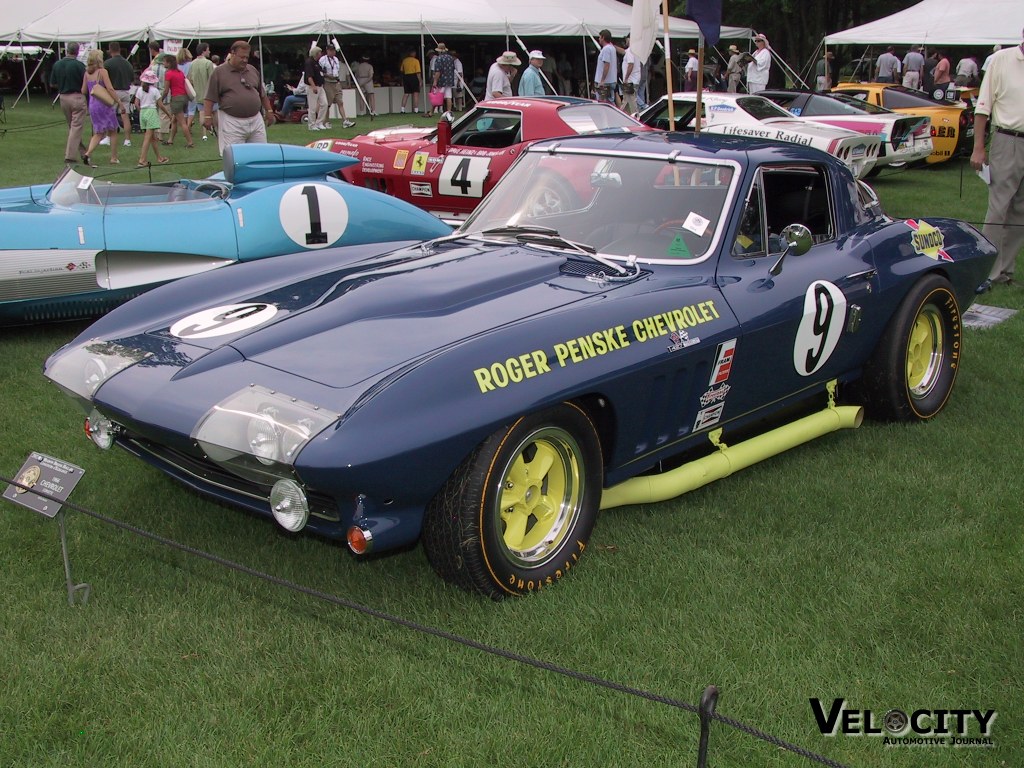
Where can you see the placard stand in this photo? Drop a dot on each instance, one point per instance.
(73, 589)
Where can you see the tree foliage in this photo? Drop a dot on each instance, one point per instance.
(796, 27)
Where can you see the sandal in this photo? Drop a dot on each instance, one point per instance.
(164, 160)
(114, 161)
(190, 146)
(142, 165)
(166, 143)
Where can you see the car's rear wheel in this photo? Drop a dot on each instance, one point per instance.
(549, 195)
(912, 371)
(517, 514)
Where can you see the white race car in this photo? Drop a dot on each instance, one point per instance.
(740, 114)
(906, 139)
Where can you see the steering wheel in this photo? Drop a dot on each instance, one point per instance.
(670, 224)
(213, 189)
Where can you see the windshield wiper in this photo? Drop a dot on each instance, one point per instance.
(531, 233)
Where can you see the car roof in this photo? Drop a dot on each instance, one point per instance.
(705, 146)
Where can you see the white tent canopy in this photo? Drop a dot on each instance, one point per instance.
(942, 22)
(190, 19)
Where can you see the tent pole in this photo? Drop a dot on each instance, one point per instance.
(700, 84)
(668, 67)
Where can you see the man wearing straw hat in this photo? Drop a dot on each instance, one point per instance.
(499, 76)
(733, 70)
(690, 71)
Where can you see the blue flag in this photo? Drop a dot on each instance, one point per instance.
(708, 15)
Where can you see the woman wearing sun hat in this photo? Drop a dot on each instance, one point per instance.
(759, 68)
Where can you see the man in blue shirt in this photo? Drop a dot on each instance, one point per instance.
(531, 83)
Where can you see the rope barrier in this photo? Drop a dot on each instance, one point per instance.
(439, 633)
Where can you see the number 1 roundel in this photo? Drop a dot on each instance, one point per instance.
(313, 215)
(820, 326)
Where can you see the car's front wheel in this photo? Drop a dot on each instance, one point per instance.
(911, 373)
(517, 514)
(549, 195)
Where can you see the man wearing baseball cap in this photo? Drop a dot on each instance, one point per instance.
(531, 83)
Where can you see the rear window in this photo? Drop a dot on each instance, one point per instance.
(893, 98)
(590, 118)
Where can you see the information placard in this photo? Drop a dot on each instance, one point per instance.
(53, 476)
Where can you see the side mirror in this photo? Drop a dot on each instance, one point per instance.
(798, 241)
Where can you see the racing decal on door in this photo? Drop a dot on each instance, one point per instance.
(221, 321)
(419, 163)
(401, 158)
(463, 176)
(313, 215)
(820, 327)
(713, 400)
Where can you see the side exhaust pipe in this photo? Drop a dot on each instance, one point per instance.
(729, 459)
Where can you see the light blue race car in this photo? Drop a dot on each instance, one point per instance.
(80, 246)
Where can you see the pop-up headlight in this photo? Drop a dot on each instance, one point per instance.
(257, 433)
(83, 370)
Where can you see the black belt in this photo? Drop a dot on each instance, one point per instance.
(1010, 132)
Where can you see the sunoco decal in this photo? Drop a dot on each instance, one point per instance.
(927, 240)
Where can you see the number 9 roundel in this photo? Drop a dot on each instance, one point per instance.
(820, 327)
(313, 215)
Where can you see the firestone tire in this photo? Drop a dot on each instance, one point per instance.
(912, 371)
(517, 514)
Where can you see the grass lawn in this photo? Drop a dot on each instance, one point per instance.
(883, 565)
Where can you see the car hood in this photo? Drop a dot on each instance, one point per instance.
(352, 326)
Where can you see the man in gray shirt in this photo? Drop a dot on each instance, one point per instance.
(887, 67)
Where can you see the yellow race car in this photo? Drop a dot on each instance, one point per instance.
(952, 121)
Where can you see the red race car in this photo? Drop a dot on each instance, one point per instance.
(447, 169)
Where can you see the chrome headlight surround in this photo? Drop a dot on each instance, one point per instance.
(83, 370)
(257, 433)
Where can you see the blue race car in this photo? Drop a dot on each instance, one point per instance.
(80, 246)
(688, 305)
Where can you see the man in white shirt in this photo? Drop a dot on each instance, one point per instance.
(690, 71)
(1001, 100)
(630, 79)
(331, 66)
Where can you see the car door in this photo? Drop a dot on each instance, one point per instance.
(161, 232)
(798, 325)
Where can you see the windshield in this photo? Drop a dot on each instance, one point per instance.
(72, 188)
(760, 107)
(620, 206)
